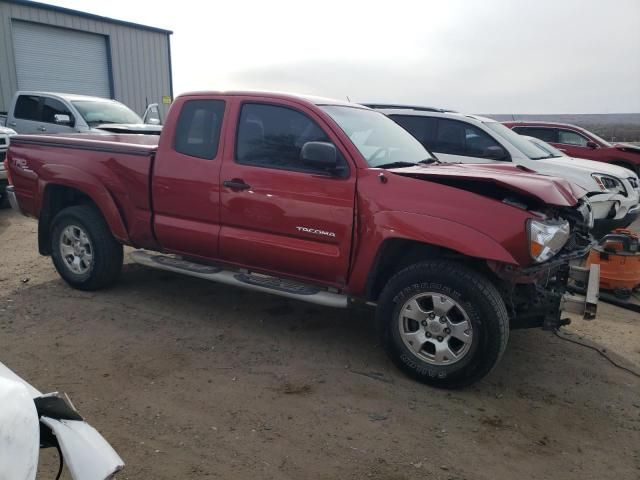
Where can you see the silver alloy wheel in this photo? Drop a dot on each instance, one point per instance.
(76, 249)
(435, 328)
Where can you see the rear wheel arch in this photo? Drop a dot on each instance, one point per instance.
(56, 197)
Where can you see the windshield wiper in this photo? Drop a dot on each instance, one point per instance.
(427, 161)
(396, 165)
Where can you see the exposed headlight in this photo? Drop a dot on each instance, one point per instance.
(609, 184)
(546, 239)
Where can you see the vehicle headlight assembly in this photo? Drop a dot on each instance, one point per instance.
(608, 183)
(546, 239)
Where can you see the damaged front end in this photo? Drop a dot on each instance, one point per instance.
(536, 296)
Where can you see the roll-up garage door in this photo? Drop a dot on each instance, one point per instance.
(56, 59)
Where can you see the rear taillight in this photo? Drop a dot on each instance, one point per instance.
(6, 167)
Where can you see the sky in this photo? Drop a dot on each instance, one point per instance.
(481, 56)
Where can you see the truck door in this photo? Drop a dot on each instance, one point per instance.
(573, 144)
(35, 114)
(186, 181)
(279, 215)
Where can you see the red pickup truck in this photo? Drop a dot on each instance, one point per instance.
(321, 201)
(577, 142)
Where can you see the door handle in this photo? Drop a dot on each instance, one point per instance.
(236, 184)
(42, 129)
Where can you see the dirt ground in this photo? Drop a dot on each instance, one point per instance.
(189, 379)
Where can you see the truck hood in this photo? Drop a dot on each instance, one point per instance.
(131, 128)
(628, 147)
(579, 170)
(7, 131)
(546, 189)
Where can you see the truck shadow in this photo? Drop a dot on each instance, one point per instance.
(260, 329)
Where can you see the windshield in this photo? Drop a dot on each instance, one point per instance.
(553, 151)
(532, 151)
(98, 113)
(380, 140)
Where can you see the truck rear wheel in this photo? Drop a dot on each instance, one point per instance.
(84, 252)
(443, 324)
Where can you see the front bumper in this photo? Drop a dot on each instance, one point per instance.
(605, 225)
(13, 201)
(585, 305)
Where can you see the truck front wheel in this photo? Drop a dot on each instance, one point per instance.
(442, 323)
(84, 252)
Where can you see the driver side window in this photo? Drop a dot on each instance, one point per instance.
(272, 136)
(459, 138)
(568, 137)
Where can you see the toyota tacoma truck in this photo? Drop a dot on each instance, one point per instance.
(321, 201)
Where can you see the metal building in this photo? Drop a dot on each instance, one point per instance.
(49, 48)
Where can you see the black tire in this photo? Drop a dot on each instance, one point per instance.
(106, 251)
(4, 198)
(474, 294)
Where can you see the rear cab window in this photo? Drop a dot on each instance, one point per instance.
(198, 128)
(27, 108)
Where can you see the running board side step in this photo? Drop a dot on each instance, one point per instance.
(248, 280)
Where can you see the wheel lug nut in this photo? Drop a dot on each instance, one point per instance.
(432, 316)
(447, 331)
(442, 320)
(428, 335)
(440, 339)
(424, 323)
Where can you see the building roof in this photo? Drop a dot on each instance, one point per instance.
(78, 13)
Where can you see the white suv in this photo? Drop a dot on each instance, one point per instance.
(5, 134)
(459, 138)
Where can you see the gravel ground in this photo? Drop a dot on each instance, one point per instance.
(190, 380)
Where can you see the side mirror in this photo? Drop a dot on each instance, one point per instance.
(320, 155)
(592, 145)
(152, 115)
(496, 153)
(62, 119)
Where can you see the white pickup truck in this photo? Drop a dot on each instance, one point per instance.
(5, 135)
(46, 112)
(614, 192)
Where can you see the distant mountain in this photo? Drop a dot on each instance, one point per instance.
(619, 127)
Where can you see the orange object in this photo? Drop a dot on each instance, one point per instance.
(618, 255)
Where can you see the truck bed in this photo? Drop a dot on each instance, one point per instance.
(141, 144)
(113, 169)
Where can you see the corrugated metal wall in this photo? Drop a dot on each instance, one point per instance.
(140, 58)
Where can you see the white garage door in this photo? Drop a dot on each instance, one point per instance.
(60, 60)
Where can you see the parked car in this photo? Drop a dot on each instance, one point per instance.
(456, 137)
(580, 143)
(320, 201)
(44, 112)
(30, 421)
(5, 135)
